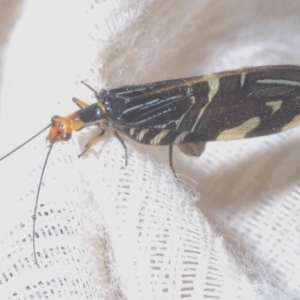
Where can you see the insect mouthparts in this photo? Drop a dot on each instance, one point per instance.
(61, 129)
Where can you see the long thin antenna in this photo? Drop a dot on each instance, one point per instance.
(36, 204)
(88, 86)
(20, 146)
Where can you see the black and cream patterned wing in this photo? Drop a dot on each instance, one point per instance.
(231, 105)
(156, 118)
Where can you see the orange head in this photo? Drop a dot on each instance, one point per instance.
(61, 129)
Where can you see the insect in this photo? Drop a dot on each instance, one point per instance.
(188, 112)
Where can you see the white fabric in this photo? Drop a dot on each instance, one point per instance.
(110, 232)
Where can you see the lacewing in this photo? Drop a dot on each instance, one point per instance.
(187, 112)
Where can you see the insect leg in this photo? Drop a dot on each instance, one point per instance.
(79, 103)
(92, 142)
(171, 160)
(122, 143)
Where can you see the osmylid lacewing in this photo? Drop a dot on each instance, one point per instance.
(187, 112)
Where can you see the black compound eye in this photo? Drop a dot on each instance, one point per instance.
(66, 137)
(53, 120)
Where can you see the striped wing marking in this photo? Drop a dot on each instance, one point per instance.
(232, 105)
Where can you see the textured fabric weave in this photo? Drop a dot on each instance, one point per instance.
(230, 230)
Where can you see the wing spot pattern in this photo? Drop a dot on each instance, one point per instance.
(156, 140)
(279, 81)
(213, 89)
(240, 131)
(295, 122)
(275, 105)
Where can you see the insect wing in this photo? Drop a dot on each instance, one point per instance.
(231, 105)
(151, 116)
